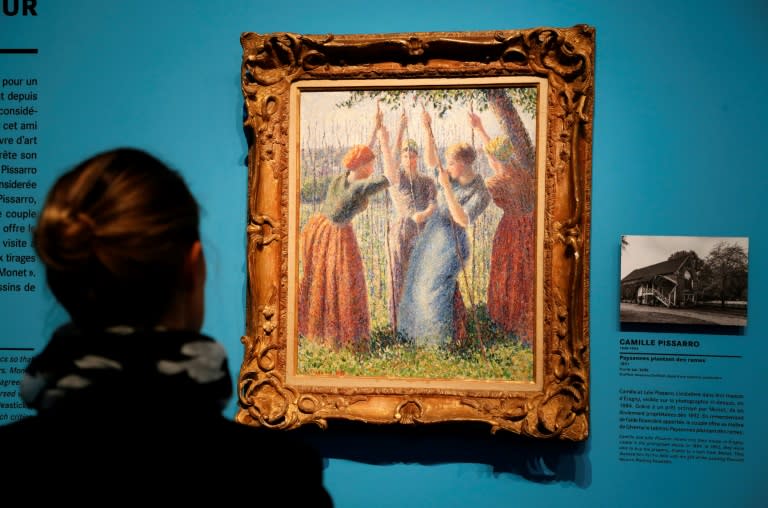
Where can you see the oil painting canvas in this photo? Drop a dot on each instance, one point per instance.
(417, 231)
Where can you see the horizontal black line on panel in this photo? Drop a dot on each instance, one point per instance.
(18, 51)
(677, 354)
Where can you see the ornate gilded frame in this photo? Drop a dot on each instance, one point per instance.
(556, 405)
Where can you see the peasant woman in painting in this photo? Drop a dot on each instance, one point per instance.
(413, 196)
(333, 300)
(431, 305)
(510, 286)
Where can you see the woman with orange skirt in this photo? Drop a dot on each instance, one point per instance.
(511, 281)
(333, 300)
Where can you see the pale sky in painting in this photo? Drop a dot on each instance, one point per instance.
(643, 251)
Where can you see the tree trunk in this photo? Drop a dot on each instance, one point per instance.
(502, 106)
(722, 292)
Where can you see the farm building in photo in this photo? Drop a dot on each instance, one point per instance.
(672, 283)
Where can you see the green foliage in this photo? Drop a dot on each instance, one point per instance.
(444, 99)
(481, 330)
(390, 357)
(524, 98)
(313, 190)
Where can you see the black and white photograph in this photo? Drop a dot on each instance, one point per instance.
(684, 280)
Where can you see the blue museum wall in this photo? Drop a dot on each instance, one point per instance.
(678, 150)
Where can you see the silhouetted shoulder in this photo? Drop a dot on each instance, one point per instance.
(169, 460)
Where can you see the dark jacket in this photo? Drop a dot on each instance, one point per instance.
(127, 416)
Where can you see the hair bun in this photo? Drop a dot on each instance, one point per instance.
(82, 229)
(65, 239)
(83, 222)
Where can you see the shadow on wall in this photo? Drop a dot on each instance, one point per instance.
(536, 460)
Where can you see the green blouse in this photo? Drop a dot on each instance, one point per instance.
(346, 199)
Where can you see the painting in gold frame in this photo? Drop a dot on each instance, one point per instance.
(418, 229)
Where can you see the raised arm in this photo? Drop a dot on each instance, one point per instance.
(400, 134)
(388, 159)
(430, 151)
(377, 123)
(477, 125)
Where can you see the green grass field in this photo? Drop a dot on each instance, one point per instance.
(492, 356)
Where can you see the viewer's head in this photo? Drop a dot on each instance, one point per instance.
(119, 238)
(459, 158)
(359, 159)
